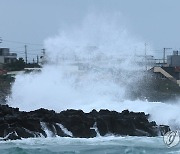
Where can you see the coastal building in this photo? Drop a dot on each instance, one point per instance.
(174, 60)
(170, 69)
(7, 57)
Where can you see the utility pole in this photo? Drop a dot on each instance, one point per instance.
(25, 53)
(164, 54)
(37, 59)
(145, 52)
(43, 60)
(0, 40)
(43, 51)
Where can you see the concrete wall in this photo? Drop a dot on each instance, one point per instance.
(1, 59)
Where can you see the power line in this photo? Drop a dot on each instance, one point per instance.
(35, 50)
(18, 42)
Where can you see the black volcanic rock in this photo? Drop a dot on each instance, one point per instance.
(15, 124)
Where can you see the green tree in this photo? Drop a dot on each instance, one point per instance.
(18, 65)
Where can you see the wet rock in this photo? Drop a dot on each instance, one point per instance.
(15, 124)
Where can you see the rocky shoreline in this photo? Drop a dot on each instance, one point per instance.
(5, 87)
(15, 124)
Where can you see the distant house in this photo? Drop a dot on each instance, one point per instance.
(6, 57)
(171, 69)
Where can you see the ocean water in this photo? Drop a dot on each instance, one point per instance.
(98, 145)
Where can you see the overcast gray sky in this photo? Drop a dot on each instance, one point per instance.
(156, 22)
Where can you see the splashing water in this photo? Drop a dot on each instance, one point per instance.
(89, 67)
